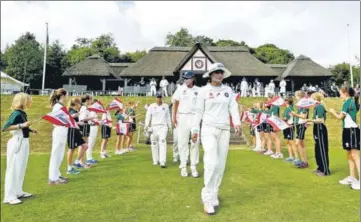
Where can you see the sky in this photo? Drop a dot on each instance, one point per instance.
(314, 29)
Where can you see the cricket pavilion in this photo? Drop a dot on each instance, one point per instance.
(172, 62)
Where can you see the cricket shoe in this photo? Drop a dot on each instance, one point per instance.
(194, 172)
(209, 208)
(184, 172)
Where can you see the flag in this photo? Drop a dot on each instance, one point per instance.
(261, 118)
(123, 128)
(61, 117)
(276, 101)
(306, 103)
(277, 123)
(97, 107)
(238, 96)
(115, 104)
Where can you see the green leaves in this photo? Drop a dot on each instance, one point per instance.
(271, 54)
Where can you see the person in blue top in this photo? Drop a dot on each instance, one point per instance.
(320, 136)
(350, 134)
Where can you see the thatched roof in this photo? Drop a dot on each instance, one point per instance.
(279, 68)
(303, 66)
(119, 67)
(91, 66)
(160, 61)
(169, 60)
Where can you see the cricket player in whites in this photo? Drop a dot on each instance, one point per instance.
(215, 104)
(244, 87)
(159, 114)
(184, 112)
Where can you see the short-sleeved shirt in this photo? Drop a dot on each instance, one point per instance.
(17, 117)
(187, 98)
(275, 111)
(73, 111)
(349, 107)
(130, 112)
(287, 116)
(302, 111)
(319, 112)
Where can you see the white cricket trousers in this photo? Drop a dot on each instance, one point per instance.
(164, 90)
(243, 92)
(215, 145)
(184, 132)
(17, 155)
(258, 144)
(159, 143)
(175, 144)
(91, 141)
(153, 90)
(59, 138)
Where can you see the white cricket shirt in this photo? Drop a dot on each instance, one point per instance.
(159, 115)
(215, 105)
(187, 98)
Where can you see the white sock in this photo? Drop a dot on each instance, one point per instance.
(76, 161)
(69, 168)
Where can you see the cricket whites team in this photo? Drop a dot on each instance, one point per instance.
(197, 115)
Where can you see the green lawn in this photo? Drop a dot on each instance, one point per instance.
(129, 188)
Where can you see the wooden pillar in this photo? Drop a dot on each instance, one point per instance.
(293, 86)
(104, 83)
(70, 81)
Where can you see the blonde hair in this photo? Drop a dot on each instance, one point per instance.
(317, 96)
(73, 102)
(300, 94)
(20, 101)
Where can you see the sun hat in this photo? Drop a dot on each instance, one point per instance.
(216, 67)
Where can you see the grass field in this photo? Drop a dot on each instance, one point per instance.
(129, 188)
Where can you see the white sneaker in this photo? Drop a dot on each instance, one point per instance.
(194, 172)
(107, 155)
(103, 156)
(277, 156)
(184, 172)
(175, 160)
(215, 202)
(348, 180)
(13, 202)
(268, 153)
(356, 185)
(257, 149)
(155, 163)
(209, 208)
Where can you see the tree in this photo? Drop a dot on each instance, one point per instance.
(104, 46)
(204, 40)
(134, 56)
(341, 72)
(24, 59)
(3, 63)
(180, 38)
(228, 42)
(271, 54)
(55, 65)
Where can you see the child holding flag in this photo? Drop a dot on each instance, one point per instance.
(92, 133)
(275, 111)
(320, 136)
(75, 138)
(106, 130)
(350, 134)
(301, 116)
(267, 130)
(84, 117)
(120, 116)
(288, 133)
(17, 152)
(59, 138)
